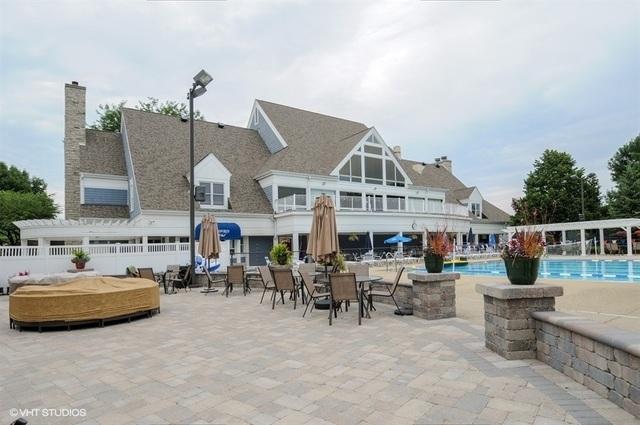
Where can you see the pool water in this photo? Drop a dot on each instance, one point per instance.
(605, 270)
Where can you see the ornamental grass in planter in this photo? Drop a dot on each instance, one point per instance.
(522, 255)
(280, 254)
(80, 258)
(438, 247)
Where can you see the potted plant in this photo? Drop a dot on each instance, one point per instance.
(437, 248)
(521, 257)
(280, 254)
(80, 258)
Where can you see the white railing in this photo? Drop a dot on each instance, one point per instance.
(108, 259)
(455, 209)
(350, 202)
(291, 203)
(396, 204)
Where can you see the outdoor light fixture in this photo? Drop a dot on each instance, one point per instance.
(198, 91)
(201, 80)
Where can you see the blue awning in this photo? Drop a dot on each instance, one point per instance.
(228, 231)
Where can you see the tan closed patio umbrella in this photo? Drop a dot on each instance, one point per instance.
(209, 246)
(323, 238)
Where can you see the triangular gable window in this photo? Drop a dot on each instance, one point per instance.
(371, 163)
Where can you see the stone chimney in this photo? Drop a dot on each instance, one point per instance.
(446, 164)
(74, 137)
(397, 152)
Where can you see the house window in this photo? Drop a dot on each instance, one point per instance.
(213, 194)
(374, 202)
(394, 176)
(373, 170)
(352, 170)
(475, 209)
(104, 190)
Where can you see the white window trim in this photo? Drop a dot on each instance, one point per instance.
(225, 192)
(265, 117)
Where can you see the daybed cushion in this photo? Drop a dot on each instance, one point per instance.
(83, 299)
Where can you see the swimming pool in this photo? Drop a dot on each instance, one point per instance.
(605, 270)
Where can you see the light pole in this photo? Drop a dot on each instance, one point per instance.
(198, 88)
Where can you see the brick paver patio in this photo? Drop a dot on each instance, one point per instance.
(207, 359)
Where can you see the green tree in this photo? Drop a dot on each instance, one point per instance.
(624, 199)
(16, 206)
(22, 197)
(11, 178)
(109, 114)
(553, 192)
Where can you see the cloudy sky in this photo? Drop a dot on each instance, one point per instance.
(491, 84)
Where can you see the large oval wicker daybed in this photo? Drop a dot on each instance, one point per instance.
(83, 300)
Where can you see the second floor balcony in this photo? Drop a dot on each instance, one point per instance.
(298, 202)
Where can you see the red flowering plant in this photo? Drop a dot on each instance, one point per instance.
(438, 243)
(524, 244)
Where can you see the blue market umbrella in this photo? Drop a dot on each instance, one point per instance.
(397, 239)
(492, 239)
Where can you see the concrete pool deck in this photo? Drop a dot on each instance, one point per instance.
(615, 303)
(211, 359)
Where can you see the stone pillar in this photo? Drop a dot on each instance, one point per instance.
(629, 241)
(145, 243)
(564, 236)
(509, 328)
(400, 244)
(583, 245)
(434, 294)
(601, 234)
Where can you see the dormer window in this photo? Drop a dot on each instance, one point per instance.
(213, 194)
(475, 209)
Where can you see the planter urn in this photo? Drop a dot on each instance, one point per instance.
(521, 270)
(433, 263)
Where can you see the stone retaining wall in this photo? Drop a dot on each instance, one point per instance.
(603, 358)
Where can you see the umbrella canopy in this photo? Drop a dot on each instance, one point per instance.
(492, 239)
(323, 242)
(397, 239)
(470, 235)
(209, 246)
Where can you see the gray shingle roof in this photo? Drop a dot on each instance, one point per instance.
(316, 142)
(102, 154)
(160, 153)
(430, 175)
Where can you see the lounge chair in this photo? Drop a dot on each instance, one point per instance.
(267, 282)
(284, 281)
(235, 276)
(385, 290)
(211, 281)
(315, 292)
(182, 280)
(147, 273)
(342, 287)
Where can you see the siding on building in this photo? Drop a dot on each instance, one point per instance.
(267, 134)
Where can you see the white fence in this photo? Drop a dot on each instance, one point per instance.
(111, 259)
